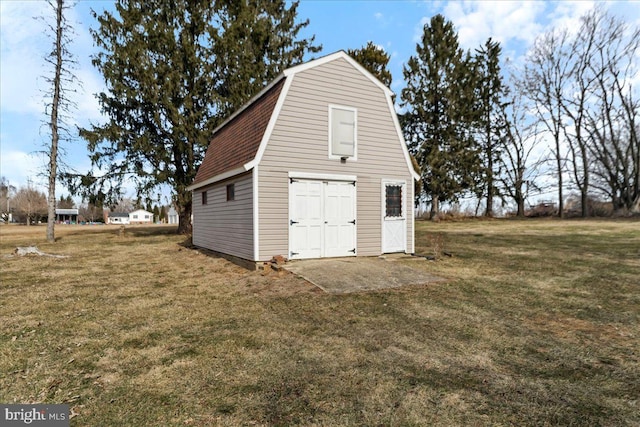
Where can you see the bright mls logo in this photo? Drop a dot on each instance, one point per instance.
(34, 415)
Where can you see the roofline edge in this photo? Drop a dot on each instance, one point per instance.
(222, 176)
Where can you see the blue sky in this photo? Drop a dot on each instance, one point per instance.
(394, 25)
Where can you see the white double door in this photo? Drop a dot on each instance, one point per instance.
(322, 219)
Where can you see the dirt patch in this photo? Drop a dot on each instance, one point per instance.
(358, 274)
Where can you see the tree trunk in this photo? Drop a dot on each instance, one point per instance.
(559, 169)
(519, 200)
(435, 208)
(520, 207)
(635, 207)
(489, 208)
(584, 201)
(184, 219)
(53, 154)
(584, 190)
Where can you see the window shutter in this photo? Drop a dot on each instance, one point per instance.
(343, 132)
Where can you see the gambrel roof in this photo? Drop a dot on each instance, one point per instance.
(238, 143)
(237, 140)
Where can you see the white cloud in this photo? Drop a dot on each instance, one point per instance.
(24, 44)
(19, 167)
(88, 106)
(22, 48)
(516, 24)
(20, 70)
(567, 14)
(503, 21)
(419, 30)
(18, 23)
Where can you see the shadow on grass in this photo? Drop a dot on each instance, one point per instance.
(128, 230)
(150, 231)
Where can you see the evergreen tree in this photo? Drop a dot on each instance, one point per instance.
(65, 203)
(254, 42)
(440, 118)
(174, 70)
(490, 118)
(375, 60)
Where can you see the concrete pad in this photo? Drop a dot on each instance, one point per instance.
(358, 274)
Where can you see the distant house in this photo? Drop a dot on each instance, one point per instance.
(67, 216)
(140, 216)
(118, 218)
(172, 216)
(313, 166)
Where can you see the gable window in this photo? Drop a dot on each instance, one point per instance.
(393, 201)
(204, 197)
(231, 192)
(342, 132)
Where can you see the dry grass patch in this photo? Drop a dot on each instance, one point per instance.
(538, 325)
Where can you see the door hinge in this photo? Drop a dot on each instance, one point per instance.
(293, 222)
(295, 253)
(353, 183)
(291, 180)
(352, 250)
(352, 222)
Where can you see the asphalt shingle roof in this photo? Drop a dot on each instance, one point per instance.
(237, 141)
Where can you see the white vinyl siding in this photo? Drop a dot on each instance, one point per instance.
(299, 142)
(225, 226)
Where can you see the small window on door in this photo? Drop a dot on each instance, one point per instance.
(231, 192)
(393, 201)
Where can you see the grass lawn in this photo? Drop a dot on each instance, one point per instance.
(539, 324)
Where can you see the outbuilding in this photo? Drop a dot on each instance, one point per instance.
(313, 166)
(118, 218)
(66, 216)
(172, 216)
(140, 216)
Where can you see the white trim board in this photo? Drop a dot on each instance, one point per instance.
(256, 216)
(271, 125)
(322, 176)
(228, 174)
